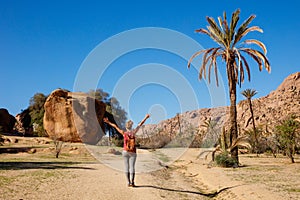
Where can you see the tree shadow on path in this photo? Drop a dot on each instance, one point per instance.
(210, 195)
(42, 165)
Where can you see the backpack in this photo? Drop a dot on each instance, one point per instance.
(130, 143)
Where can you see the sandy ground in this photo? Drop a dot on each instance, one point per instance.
(78, 175)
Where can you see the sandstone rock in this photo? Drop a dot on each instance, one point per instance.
(291, 83)
(73, 117)
(73, 148)
(111, 150)
(7, 121)
(75, 152)
(13, 140)
(23, 123)
(31, 151)
(268, 111)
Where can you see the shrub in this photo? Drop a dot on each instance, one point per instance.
(225, 160)
(117, 141)
(36, 112)
(287, 135)
(257, 142)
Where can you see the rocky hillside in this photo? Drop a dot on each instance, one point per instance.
(183, 128)
(268, 110)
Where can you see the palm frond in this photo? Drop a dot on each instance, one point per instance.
(215, 36)
(240, 34)
(215, 27)
(240, 67)
(264, 58)
(226, 28)
(194, 56)
(221, 23)
(210, 33)
(204, 62)
(213, 62)
(227, 37)
(209, 68)
(241, 142)
(242, 75)
(246, 66)
(214, 59)
(206, 152)
(254, 56)
(249, 93)
(202, 30)
(257, 42)
(234, 20)
(260, 56)
(245, 24)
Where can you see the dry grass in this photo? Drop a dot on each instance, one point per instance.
(263, 177)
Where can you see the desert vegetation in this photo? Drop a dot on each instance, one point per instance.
(245, 149)
(228, 38)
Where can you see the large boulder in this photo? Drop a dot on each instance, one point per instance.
(7, 121)
(23, 123)
(74, 117)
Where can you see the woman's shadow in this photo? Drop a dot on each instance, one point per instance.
(210, 195)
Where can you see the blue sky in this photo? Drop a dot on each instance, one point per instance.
(43, 44)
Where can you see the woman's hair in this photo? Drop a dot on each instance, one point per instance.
(129, 124)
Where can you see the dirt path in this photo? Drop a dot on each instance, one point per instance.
(97, 181)
(93, 181)
(77, 175)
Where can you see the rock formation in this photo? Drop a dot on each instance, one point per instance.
(73, 117)
(268, 111)
(23, 123)
(7, 121)
(271, 109)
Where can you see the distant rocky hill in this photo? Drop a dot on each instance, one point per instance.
(268, 111)
(184, 127)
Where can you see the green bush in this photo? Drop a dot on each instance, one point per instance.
(225, 160)
(118, 142)
(287, 136)
(36, 112)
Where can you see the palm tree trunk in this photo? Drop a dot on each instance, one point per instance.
(232, 112)
(253, 121)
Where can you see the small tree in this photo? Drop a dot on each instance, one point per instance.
(36, 112)
(212, 133)
(58, 146)
(287, 135)
(248, 94)
(221, 153)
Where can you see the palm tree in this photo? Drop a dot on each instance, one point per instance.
(231, 50)
(211, 132)
(248, 94)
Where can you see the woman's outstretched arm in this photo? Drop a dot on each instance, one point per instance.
(113, 125)
(141, 123)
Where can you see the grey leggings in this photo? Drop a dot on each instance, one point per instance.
(129, 161)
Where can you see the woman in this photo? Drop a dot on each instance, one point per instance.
(129, 149)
